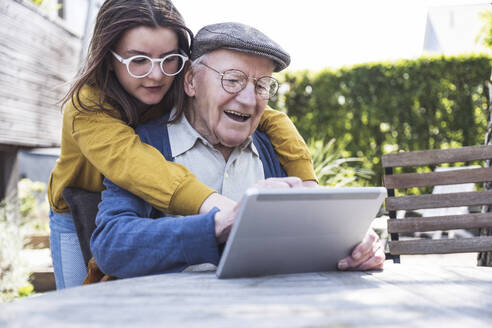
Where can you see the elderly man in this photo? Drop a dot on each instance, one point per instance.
(228, 85)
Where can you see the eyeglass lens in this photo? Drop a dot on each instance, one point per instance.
(234, 81)
(142, 66)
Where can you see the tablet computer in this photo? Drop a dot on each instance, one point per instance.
(297, 230)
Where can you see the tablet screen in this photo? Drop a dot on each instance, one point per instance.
(297, 230)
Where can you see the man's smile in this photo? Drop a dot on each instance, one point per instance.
(237, 116)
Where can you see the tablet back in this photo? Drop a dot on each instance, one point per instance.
(297, 230)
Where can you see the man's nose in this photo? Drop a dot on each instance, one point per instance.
(247, 96)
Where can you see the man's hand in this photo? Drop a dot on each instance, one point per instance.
(310, 184)
(288, 182)
(217, 200)
(224, 218)
(368, 255)
(223, 223)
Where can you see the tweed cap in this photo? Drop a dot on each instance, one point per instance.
(239, 37)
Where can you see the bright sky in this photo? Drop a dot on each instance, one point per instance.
(327, 33)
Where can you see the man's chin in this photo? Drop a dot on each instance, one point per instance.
(232, 136)
(232, 142)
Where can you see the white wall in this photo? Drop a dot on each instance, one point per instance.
(456, 29)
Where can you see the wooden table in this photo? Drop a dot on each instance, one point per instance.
(400, 296)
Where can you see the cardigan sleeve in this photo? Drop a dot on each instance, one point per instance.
(289, 145)
(117, 152)
(128, 243)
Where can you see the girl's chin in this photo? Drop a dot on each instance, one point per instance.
(151, 98)
(150, 101)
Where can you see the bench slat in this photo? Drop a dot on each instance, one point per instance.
(439, 200)
(409, 180)
(444, 222)
(440, 246)
(437, 156)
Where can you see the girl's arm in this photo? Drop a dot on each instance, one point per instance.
(116, 151)
(292, 152)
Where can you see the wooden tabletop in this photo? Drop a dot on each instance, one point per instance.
(402, 295)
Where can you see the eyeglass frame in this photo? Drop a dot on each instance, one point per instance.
(243, 86)
(126, 62)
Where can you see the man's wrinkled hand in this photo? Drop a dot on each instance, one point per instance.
(368, 255)
(287, 182)
(224, 219)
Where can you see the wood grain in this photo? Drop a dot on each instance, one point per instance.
(445, 222)
(440, 246)
(409, 180)
(439, 200)
(399, 296)
(439, 156)
(38, 57)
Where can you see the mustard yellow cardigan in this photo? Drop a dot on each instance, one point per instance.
(94, 145)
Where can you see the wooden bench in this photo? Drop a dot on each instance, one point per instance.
(444, 189)
(402, 181)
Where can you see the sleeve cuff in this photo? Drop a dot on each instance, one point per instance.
(199, 242)
(302, 168)
(189, 197)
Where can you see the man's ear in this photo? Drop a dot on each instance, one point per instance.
(189, 81)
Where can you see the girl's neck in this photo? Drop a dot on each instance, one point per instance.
(141, 107)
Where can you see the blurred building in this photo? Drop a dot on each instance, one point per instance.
(41, 49)
(454, 30)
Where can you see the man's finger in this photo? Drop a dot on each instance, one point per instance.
(353, 263)
(293, 182)
(374, 262)
(288, 182)
(366, 246)
(368, 254)
(266, 184)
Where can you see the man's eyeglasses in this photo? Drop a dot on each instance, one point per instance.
(141, 66)
(233, 81)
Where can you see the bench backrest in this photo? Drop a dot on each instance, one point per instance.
(460, 220)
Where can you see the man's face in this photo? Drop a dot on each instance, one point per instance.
(221, 117)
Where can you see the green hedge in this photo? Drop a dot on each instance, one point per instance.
(377, 108)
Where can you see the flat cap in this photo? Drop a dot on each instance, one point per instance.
(239, 37)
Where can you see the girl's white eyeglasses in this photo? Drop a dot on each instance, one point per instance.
(140, 66)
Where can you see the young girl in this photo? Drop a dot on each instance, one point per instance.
(132, 75)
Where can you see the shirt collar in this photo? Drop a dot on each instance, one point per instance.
(183, 137)
(248, 143)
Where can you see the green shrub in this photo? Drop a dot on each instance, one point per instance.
(377, 108)
(332, 169)
(50, 7)
(24, 214)
(33, 206)
(14, 272)
(486, 30)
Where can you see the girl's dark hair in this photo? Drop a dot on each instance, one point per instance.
(114, 18)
